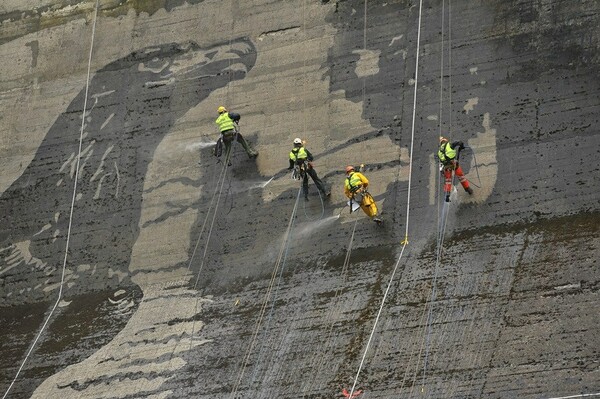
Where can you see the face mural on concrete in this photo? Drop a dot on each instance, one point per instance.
(133, 102)
(336, 108)
(163, 332)
(308, 70)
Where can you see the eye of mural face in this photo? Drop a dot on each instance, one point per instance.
(156, 64)
(211, 54)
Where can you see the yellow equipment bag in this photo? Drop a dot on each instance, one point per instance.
(368, 205)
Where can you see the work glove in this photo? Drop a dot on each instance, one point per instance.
(461, 145)
(447, 197)
(310, 165)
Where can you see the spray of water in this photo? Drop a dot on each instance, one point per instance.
(269, 181)
(311, 227)
(251, 186)
(260, 184)
(200, 145)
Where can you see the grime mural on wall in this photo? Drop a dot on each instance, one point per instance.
(187, 336)
(375, 67)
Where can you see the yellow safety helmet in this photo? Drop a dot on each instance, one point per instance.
(221, 109)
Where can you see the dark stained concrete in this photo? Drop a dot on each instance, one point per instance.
(163, 297)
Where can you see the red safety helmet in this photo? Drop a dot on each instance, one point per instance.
(349, 168)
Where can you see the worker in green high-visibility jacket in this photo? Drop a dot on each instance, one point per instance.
(227, 122)
(448, 155)
(302, 158)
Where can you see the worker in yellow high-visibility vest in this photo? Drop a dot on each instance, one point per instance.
(301, 157)
(227, 122)
(448, 156)
(355, 188)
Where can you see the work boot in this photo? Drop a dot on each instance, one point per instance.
(469, 190)
(447, 197)
(378, 220)
(306, 198)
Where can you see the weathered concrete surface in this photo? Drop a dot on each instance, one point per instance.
(162, 297)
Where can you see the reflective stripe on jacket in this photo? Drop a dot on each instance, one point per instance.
(224, 122)
(446, 153)
(298, 153)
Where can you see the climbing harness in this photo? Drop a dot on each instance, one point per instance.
(227, 139)
(299, 171)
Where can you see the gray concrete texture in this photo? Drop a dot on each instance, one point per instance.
(164, 274)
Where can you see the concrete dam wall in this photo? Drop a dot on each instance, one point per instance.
(135, 264)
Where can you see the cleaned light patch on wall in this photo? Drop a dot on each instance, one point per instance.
(368, 64)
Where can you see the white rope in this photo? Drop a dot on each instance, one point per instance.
(364, 79)
(218, 188)
(304, 71)
(278, 264)
(432, 299)
(412, 140)
(333, 311)
(406, 371)
(210, 230)
(583, 395)
(450, 65)
(221, 176)
(405, 242)
(219, 191)
(442, 69)
(376, 321)
(445, 208)
(64, 266)
(273, 300)
(442, 223)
